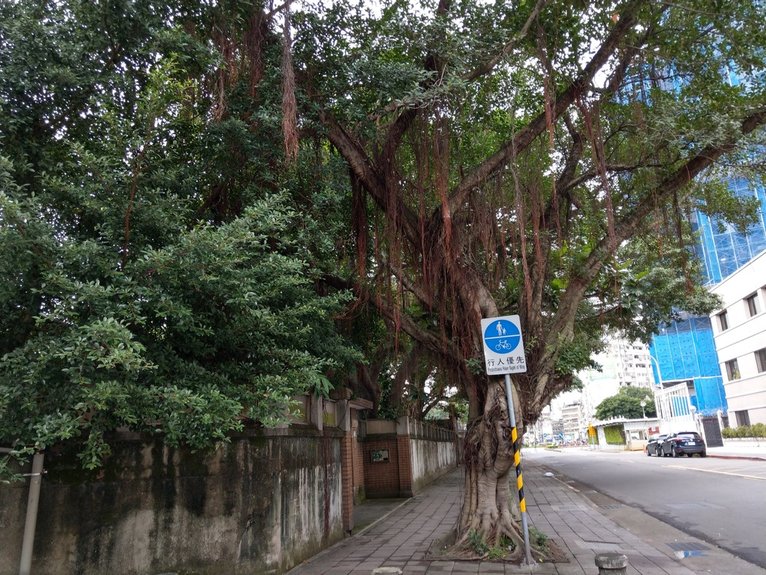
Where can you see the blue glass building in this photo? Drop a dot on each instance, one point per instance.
(721, 249)
(684, 351)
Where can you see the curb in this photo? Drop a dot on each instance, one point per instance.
(746, 457)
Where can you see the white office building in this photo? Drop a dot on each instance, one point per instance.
(623, 364)
(574, 422)
(739, 329)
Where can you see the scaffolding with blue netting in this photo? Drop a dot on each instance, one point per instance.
(684, 351)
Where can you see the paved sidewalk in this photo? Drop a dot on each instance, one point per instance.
(733, 449)
(580, 528)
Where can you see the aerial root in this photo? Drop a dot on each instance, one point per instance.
(493, 533)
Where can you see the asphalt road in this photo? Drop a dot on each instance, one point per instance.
(721, 501)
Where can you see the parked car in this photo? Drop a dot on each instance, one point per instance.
(654, 444)
(684, 442)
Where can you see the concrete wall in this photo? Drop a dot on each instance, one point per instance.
(416, 454)
(432, 451)
(259, 505)
(430, 459)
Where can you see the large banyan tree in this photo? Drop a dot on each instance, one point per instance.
(534, 158)
(180, 180)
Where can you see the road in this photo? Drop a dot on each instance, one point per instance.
(721, 501)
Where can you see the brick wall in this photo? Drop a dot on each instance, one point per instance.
(381, 477)
(403, 443)
(347, 482)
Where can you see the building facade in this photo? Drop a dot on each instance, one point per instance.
(574, 422)
(721, 248)
(685, 353)
(623, 364)
(690, 358)
(740, 337)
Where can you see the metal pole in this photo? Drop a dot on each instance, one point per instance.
(33, 502)
(517, 465)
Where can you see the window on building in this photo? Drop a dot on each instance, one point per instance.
(760, 360)
(732, 369)
(743, 418)
(723, 321)
(751, 302)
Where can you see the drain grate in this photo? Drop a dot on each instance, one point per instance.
(688, 546)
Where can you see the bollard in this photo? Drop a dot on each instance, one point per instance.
(612, 564)
(387, 571)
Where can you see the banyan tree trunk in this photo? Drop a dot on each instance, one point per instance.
(490, 508)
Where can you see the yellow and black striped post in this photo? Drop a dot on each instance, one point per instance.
(517, 465)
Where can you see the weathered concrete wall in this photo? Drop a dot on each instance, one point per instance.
(259, 505)
(432, 450)
(430, 459)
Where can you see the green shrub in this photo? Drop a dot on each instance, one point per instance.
(538, 539)
(757, 430)
(477, 543)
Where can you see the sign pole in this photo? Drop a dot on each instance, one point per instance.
(517, 465)
(503, 355)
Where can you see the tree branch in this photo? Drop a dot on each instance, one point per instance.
(490, 64)
(527, 135)
(626, 227)
(442, 347)
(368, 175)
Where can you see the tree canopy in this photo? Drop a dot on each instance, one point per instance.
(541, 158)
(160, 262)
(627, 404)
(191, 190)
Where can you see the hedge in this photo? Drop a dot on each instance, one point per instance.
(745, 431)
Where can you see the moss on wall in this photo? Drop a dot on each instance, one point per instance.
(615, 435)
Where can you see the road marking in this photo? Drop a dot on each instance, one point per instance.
(757, 477)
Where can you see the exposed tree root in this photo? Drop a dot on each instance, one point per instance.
(489, 519)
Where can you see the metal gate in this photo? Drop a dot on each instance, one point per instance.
(712, 431)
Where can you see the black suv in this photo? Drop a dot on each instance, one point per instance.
(684, 442)
(653, 447)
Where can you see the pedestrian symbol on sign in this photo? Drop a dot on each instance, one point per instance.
(502, 337)
(503, 345)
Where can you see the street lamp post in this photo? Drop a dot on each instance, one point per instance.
(658, 386)
(644, 403)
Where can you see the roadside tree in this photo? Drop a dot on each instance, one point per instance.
(176, 171)
(539, 158)
(627, 403)
(161, 261)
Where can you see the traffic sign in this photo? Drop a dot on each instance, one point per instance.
(503, 345)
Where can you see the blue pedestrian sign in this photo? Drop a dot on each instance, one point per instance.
(503, 345)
